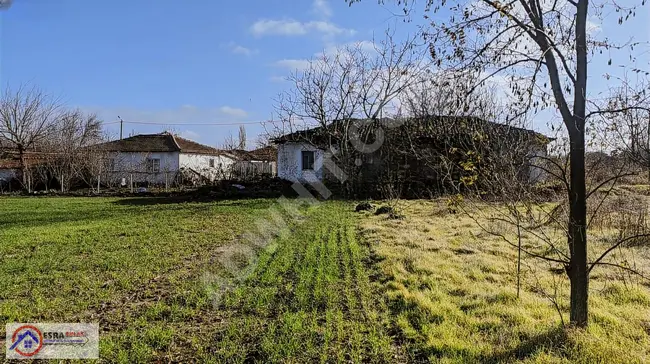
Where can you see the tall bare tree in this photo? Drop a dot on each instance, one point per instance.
(541, 49)
(26, 119)
(242, 137)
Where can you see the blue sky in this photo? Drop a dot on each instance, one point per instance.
(198, 61)
(166, 61)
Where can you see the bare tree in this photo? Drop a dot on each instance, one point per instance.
(66, 148)
(541, 49)
(626, 118)
(482, 162)
(345, 91)
(229, 143)
(242, 137)
(26, 119)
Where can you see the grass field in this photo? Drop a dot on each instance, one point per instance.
(452, 294)
(138, 270)
(131, 266)
(335, 286)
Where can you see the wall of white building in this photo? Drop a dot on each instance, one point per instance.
(201, 163)
(129, 166)
(290, 162)
(536, 174)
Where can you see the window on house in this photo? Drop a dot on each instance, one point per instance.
(153, 165)
(307, 160)
(211, 163)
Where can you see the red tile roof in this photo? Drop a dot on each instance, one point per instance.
(11, 160)
(267, 154)
(163, 142)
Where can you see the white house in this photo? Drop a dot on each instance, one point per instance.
(302, 156)
(161, 159)
(300, 161)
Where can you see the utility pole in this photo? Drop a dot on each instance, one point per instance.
(121, 126)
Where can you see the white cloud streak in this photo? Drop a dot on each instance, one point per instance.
(293, 64)
(233, 112)
(321, 8)
(185, 114)
(365, 46)
(241, 50)
(290, 27)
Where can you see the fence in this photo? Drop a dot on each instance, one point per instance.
(251, 170)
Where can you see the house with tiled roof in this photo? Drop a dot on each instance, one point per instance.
(162, 159)
(301, 155)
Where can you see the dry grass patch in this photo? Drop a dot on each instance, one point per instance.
(452, 290)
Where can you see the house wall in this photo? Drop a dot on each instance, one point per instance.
(135, 165)
(536, 174)
(290, 162)
(201, 163)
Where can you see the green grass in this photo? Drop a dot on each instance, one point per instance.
(133, 267)
(433, 287)
(452, 293)
(310, 300)
(145, 272)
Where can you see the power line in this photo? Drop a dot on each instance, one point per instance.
(193, 124)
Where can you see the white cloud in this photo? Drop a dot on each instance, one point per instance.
(278, 27)
(187, 120)
(233, 112)
(289, 27)
(237, 49)
(365, 46)
(184, 114)
(322, 8)
(278, 79)
(189, 134)
(293, 64)
(328, 28)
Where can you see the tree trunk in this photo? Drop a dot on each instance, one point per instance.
(578, 274)
(23, 168)
(518, 254)
(577, 270)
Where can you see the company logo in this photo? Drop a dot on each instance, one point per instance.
(52, 341)
(26, 340)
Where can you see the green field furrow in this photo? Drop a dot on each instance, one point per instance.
(315, 323)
